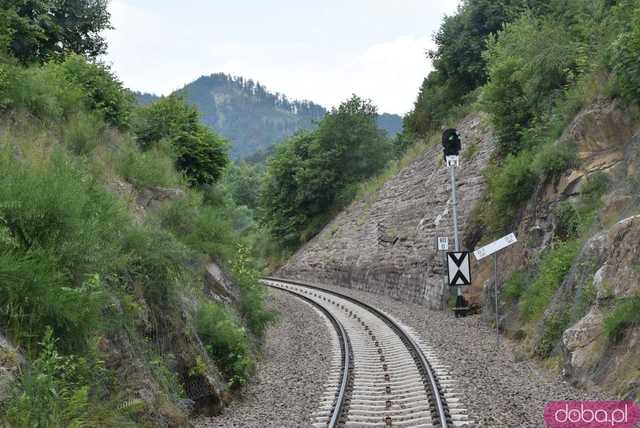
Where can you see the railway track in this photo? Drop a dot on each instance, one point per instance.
(382, 374)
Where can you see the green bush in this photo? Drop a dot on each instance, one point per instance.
(151, 168)
(203, 228)
(552, 329)
(252, 293)
(103, 92)
(554, 265)
(55, 390)
(552, 159)
(528, 62)
(200, 153)
(515, 286)
(226, 342)
(625, 62)
(509, 185)
(201, 156)
(45, 93)
(156, 262)
(625, 314)
(83, 132)
(61, 233)
(568, 221)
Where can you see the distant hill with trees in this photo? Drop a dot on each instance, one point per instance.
(252, 118)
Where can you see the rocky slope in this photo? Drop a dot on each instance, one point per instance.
(387, 243)
(607, 140)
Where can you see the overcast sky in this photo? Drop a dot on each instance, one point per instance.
(320, 50)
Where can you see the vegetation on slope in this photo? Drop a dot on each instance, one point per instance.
(314, 174)
(83, 276)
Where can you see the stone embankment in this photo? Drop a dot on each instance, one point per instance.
(386, 243)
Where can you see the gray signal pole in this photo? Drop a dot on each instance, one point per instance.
(455, 214)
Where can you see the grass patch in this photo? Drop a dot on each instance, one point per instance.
(585, 299)
(552, 329)
(554, 265)
(626, 314)
(515, 286)
(226, 342)
(151, 168)
(252, 293)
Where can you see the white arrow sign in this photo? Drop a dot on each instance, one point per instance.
(498, 245)
(458, 268)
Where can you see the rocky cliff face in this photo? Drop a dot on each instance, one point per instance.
(387, 243)
(607, 267)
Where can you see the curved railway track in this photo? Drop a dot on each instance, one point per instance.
(382, 375)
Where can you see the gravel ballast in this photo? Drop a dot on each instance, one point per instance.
(294, 364)
(498, 389)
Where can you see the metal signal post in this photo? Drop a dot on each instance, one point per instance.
(451, 145)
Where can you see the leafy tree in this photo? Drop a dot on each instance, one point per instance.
(201, 154)
(529, 62)
(461, 40)
(351, 144)
(312, 174)
(166, 118)
(243, 181)
(458, 61)
(38, 30)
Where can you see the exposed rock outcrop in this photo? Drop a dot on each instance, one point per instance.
(607, 142)
(10, 363)
(386, 243)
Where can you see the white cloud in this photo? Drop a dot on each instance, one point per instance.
(159, 50)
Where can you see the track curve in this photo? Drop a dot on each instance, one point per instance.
(391, 381)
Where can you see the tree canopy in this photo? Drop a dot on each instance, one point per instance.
(39, 30)
(201, 153)
(313, 173)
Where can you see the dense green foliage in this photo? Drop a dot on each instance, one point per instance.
(200, 153)
(58, 227)
(85, 272)
(104, 92)
(528, 63)
(312, 174)
(554, 265)
(40, 30)
(625, 61)
(61, 89)
(458, 62)
(225, 341)
(625, 314)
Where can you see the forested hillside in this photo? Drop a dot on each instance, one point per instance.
(252, 118)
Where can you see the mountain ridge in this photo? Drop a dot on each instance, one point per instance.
(251, 117)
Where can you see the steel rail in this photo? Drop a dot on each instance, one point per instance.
(345, 347)
(440, 411)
